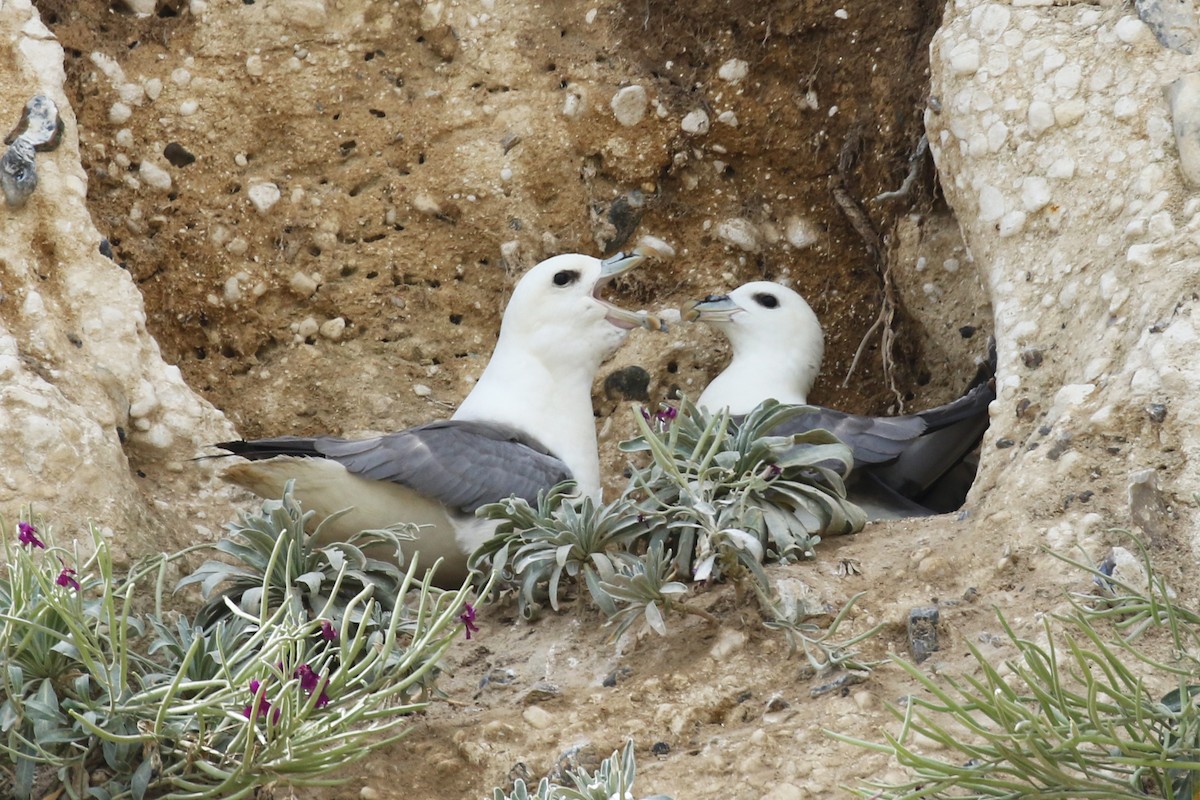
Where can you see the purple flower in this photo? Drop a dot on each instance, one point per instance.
(308, 678)
(66, 578)
(773, 472)
(666, 415)
(28, 535)
(467, 618)
(259, 705)
(328, 632)
(309, 681)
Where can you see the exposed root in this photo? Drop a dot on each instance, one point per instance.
(914, 168)
(862, 225)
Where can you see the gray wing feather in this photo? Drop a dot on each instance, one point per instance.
(873, 440)
(460, 464)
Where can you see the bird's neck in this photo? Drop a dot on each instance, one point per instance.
(552, 406)
(752, 378)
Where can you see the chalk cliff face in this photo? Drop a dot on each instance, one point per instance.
(316, 209)
(94, 425)
(1054, 140)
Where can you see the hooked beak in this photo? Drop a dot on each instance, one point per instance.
(610, 268)
(714, 308)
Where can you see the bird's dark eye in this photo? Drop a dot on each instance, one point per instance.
(766, 300)
(565, 278)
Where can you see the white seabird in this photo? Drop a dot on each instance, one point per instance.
(526, 425)
(903, 465)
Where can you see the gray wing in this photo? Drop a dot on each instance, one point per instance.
(460, 464)
(873, 440)
(878, 440)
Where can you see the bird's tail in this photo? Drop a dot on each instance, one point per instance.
(269, 448)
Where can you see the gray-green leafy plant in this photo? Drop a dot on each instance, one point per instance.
(274, 691)
(300, 572)
(717, 500)
(730, 495)
(613, 779)
(641, 588)
(1075, 716)
(564, 537)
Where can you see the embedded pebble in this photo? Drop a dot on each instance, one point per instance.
(572, 106)
(369, 793)
(991, 204)
(119, 113)
(740, 233)
(332, 329)
(537, 717)
(1172, 22)
(302, 284)
(154, 88)
(263, 196)
(1035, 193)
(734, 70)
(964, 57)
(155, 176)
(180, 76)
(728, 118)
(188, 107)
(425, 204)
(1041, 117)
(1131, 30)
(695, 122)
(800, 232)
(421, 390)
(232, 290)
(629, 105)
(18, 178)
(729, 641)
(307, 328)
(1183, 96)
(254, 66)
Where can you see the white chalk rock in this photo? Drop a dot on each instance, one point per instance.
(629, 105)
(1183, 96)
(740, 233)
(695, 123)
(734, 70)
(155, 176)
(263, 196)
(964, 57)
(1035, 193)
(1041, 117)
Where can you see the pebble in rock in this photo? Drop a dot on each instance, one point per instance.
(734, 70)
(155, 176)
(629, 105)
(333, 329)
(1173, 23)
(695, 123)
(1183, 97)
(263, 196)
(39, 129)
(740, 233)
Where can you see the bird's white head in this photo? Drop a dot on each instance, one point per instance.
(555, 333)
(777, 345)
(557, 315)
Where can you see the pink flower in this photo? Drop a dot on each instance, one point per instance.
(309, 681)
(28, 535)
(468, 618)
(328, 632)
(66, 578)
(259, 705)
